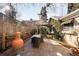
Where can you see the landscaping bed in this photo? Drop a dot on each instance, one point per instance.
(9, 52)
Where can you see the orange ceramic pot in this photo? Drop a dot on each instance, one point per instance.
(17, 42)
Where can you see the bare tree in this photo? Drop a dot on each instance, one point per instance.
(43, 13)
(11, 13)
(72, 7)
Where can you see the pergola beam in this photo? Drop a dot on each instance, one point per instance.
(73, 14)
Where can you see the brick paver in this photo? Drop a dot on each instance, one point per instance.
(48, 48)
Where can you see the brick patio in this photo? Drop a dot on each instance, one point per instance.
(48, 48)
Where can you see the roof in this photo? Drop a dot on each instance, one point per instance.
(2, 10)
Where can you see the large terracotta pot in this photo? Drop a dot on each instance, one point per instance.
(17, 42)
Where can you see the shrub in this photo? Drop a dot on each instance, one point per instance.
(34, 31)
(58, 28)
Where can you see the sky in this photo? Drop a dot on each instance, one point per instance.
(28, 11)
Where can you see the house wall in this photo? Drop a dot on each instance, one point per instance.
(76, 23)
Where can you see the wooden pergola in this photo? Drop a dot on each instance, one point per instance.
(71, 15)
